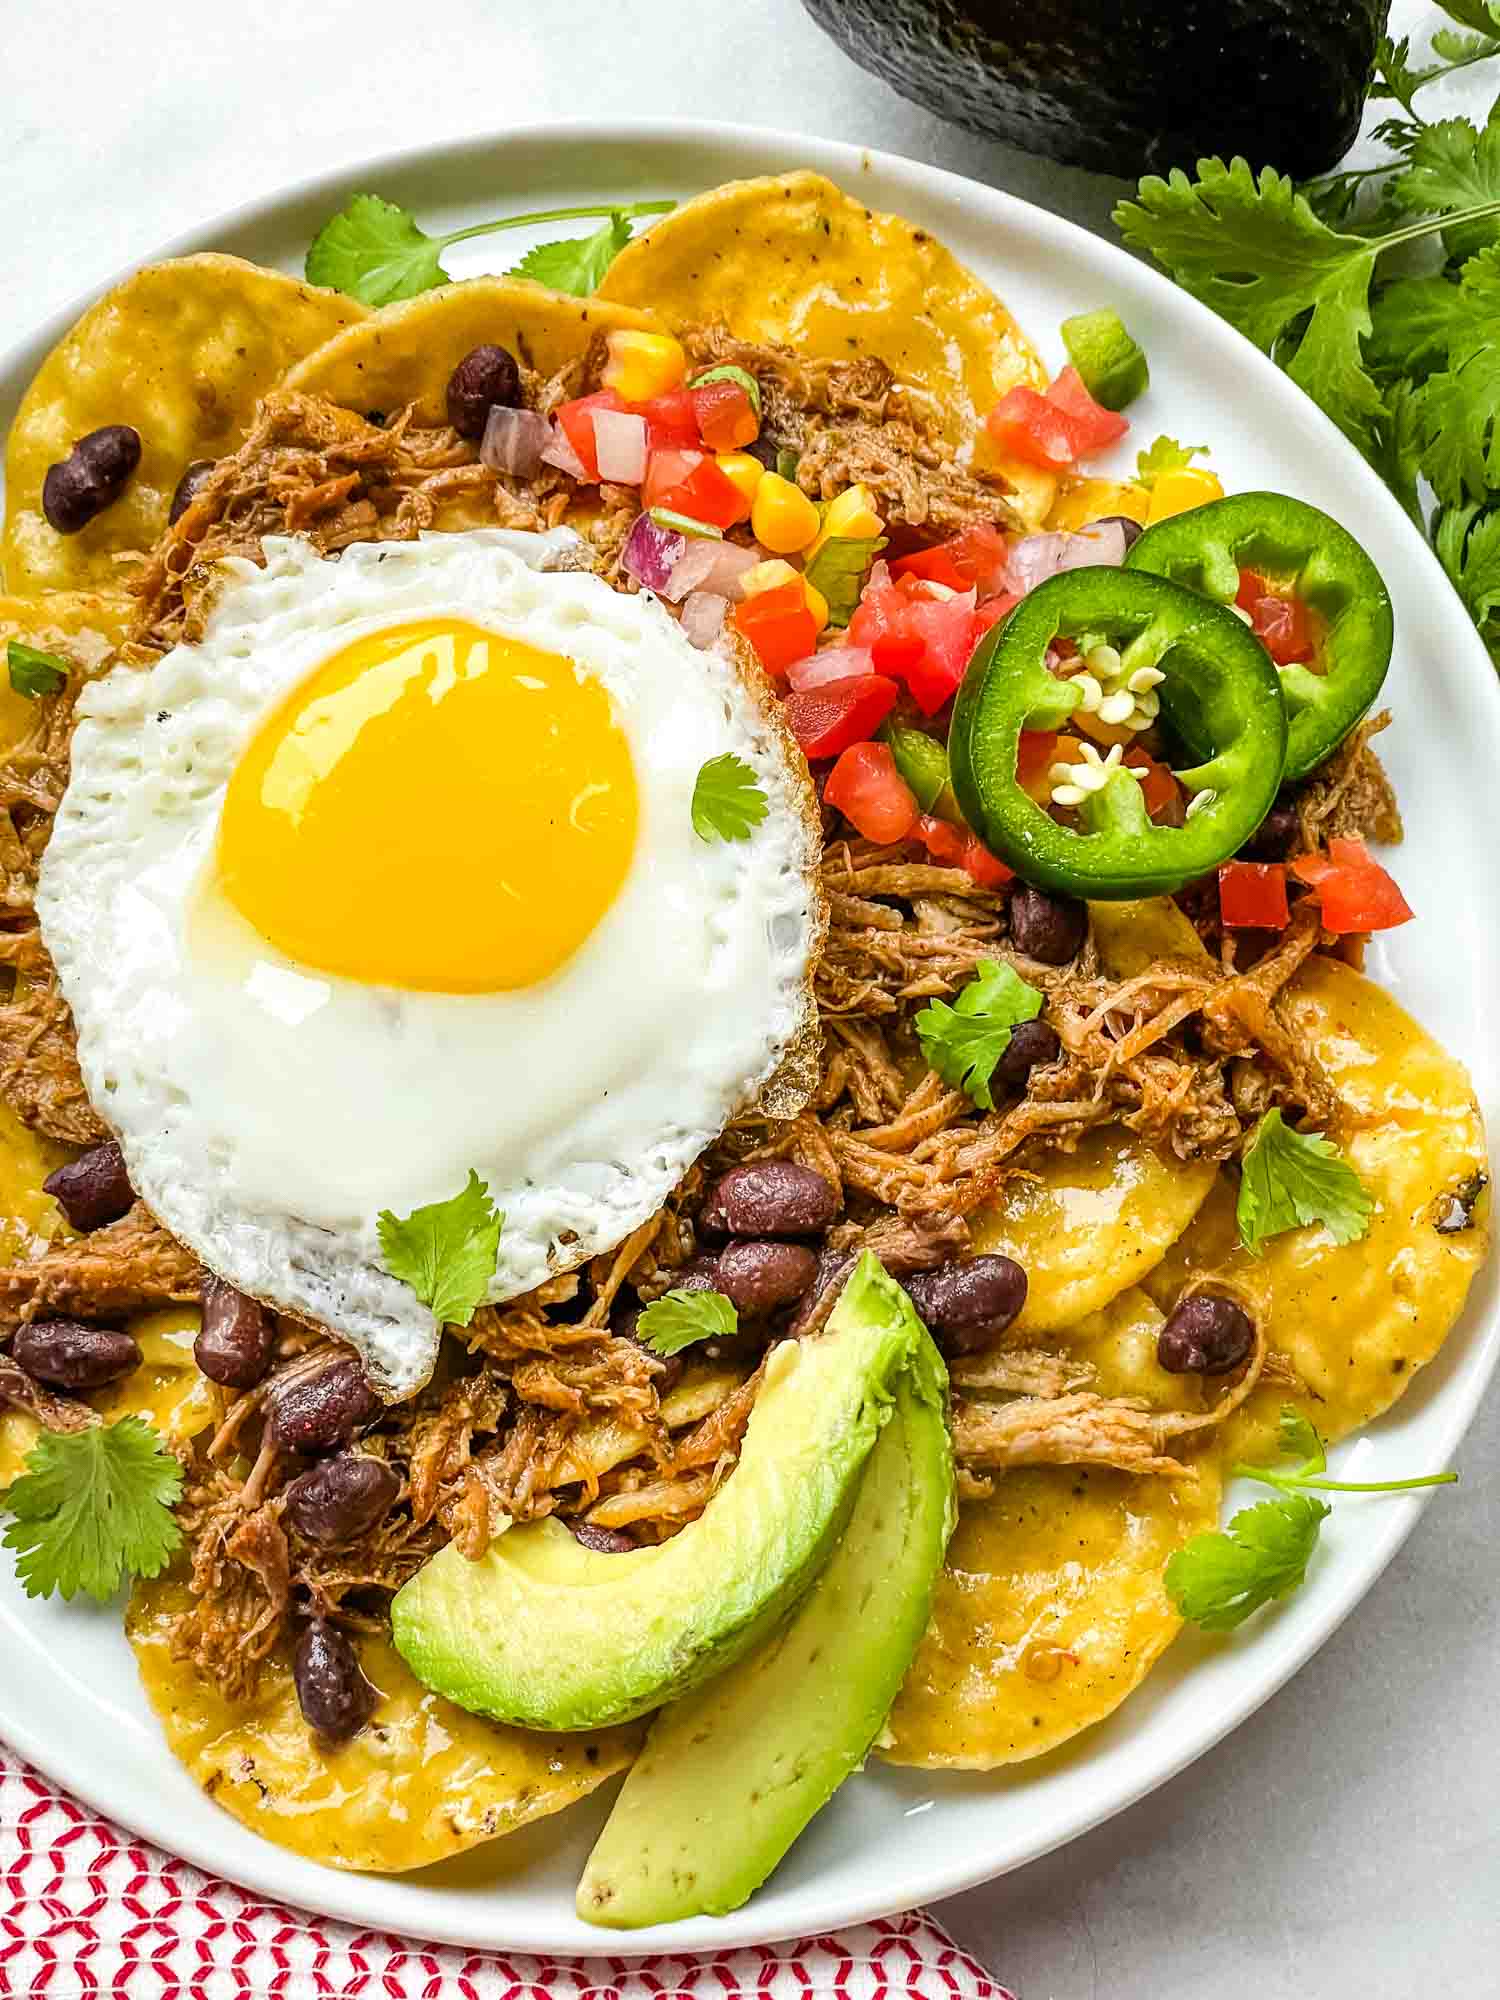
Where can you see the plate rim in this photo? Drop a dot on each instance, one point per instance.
(263, 1869)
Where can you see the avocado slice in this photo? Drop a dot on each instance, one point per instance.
(732, 1773)
(545, 1633)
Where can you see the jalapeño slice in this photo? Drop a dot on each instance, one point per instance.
(1296, 546)
(1215, 669)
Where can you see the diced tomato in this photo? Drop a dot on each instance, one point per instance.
(870, 792)
(1035, 756)
(671, 421)
(933, 566)
(828, 719)
(726, 416)
(987, 869)
(1093, 426)
(780, 626)
(577, 421)
(1283, 624)
(993, 610)
(896, 653)
(1252, 895)
(945, 842)
(1355, 892)
(1160, 789)
(690, 483)
(947, 627)
(1029, 427)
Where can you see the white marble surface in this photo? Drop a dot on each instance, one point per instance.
(1344, 1844)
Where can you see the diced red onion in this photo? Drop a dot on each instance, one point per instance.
(1035, 558)
(703, 617)
(651, 552)
(620, 444)
(731, 560)
(833, 663)
(561, 454)
(692, 568)
(1110, 540)
(514, 441)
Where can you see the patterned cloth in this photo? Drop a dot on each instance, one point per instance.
(87, 1911)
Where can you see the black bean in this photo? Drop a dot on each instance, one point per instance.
(322, 1411)
(91, 478)
(1050, 929)
(758, 1277)
(1205, 1335)
(769, 1198)
(235, 1340)
(966, 1305)
(1031, 1043)
(341, 1498)
(94, 1188)
(1277, 836)
(188, 488)
(1133, 529)
(335, 1698)
(486, 376)
(69, 1355)
(603, 1541)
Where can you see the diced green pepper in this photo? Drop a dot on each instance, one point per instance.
(1215, 669)
(1112, 364)
(921, 760)
(1287, 541)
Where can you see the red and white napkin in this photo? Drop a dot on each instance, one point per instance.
(85, 1910)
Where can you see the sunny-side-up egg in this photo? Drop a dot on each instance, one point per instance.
(392, 876)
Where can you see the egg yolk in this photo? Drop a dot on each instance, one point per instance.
(436, 807)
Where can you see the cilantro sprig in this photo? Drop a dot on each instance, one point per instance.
(1165, 454)
(375, 250)
(33, 672)
(1219, 1578)
(728, 802)
(682, 1318)
(1291, 1179)
(446, 1251)
(965, 1042)
(1402, 358)
(93, 1507)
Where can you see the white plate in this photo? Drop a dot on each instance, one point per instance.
(70, 1700)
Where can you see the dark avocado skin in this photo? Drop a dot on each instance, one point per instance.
(1129, 86)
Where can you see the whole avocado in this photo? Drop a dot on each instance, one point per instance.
(1128, 86)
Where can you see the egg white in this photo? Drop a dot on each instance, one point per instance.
(268, 1113)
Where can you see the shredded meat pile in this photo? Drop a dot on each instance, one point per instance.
(550, 1405)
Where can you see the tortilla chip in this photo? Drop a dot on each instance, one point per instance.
(1356, 1320)
(1049, 1611)
(181, 350)
(405, 353)
(423, 1781)
(84, 626)
(1084, 1225)
(793, 260)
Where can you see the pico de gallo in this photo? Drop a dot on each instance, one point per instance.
(1109, 708)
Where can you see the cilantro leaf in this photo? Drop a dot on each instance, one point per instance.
(1165, 454)
(728, 803)
(1482, 15)
(1290, 1179)
(1413, 321)
(578, 263)
(1458, 51)
(1397, 455)
(1468, 547)
(375, 252)
(838, 571)
(446, 1251)
(1451, 165)
(1461, 406)
(33, 672)
(680, 1319)
(92, 1507)
(964, 1042)
(1299, 1440)
(1217, 1579)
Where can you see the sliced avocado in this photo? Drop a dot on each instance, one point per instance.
(733, 1772)
(1111, 364)
(545, 1633)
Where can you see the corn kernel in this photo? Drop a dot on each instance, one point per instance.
(742, 469)
(643, 365)
(1177, 492)
(783, 517)
(851, 516)
(817, 604)
(766, 576)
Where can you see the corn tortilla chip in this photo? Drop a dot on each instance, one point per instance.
(183, 351)
(83, 627)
